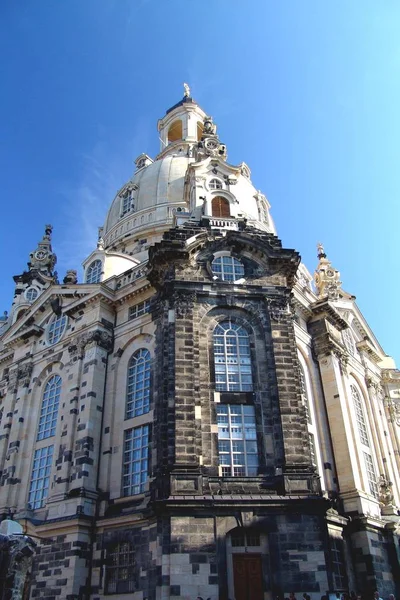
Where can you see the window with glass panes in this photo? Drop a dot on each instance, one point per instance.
(349, 341)
(93, 273)
(215, 184)
(138, 392)
(304, 392)
(362, 427)
(120, 575)
(135, 468)
(237, 440)
(232, 358)
(338, 565)
(139, 309)
(56, 329)
(227, 268)
(40, 478)
(371, 475)
(49, 409)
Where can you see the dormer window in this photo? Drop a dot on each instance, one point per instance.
(127, 203)
(93, 273)
(227, 268)
(215, 184)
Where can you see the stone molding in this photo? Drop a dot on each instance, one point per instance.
(99, 337)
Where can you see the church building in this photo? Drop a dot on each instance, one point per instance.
(200, 417)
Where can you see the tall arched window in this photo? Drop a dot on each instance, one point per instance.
(138, 395)
(49, 410)
(93, 272)
(364, 439)
(232, 358)
(220, 207)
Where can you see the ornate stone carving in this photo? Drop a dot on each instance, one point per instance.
(277, 307)
(394, 409)
(101, 338)
(326, 277)
(71, 277)
(385, 491)
(24, 373)
(19, 551)
(183, 302)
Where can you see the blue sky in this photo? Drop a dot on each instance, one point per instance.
(306, 93)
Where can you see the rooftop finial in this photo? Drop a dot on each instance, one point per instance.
(326, 277)
(187, 90)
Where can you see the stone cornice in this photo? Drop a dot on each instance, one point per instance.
(326, 309)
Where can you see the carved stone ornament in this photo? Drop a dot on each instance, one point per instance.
(183, 302)
(385, 491)
(21, 375)
(104, 339)
(394, 409)
(278, 308)
(19, 551)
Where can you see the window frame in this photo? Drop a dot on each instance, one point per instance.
(96, 266)
(215, 184)
(128, 467)
(54, 333)
(49, 408)
(137, 401)
(31, 288)
(237, 267)
(40, 455)
(118, 566)
(241, 367)
(138, 310)
(234, 457)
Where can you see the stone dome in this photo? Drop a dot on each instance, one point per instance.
(147, 200)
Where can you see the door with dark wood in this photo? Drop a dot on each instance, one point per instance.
(247, 577)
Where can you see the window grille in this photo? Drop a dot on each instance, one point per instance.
(138, 394)
(56, 329)
(120, 576)
(237, 440)
(93, 273)
(40, 478)
(232, 358)
(139, 309)
(49, 409)
(227, 268)
(136, 450)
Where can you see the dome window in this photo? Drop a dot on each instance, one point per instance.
(215, 184)
(56, 329)
(127, 204)
(227, 268)
(220, 207)
(175, 132)
(31, 294)
(93, 272)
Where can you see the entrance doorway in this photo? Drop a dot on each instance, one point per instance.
(247, 577)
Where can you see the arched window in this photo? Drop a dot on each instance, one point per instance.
(237, 440)
(304, 392)
(232, 358)
(49, 410)
(215, 184)
(138, 395)
(227, 268)
(175, 132)
(93, 272)
(56, 329)
(120, 574)
(364, 439)
(220, 207)
(348, 341)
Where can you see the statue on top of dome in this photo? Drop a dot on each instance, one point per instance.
(187, 90)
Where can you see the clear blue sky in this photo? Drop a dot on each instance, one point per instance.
(306, 93)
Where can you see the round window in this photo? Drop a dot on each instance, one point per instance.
(56, 329)
(31, 294)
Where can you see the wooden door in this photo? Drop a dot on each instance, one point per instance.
(247, 577)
